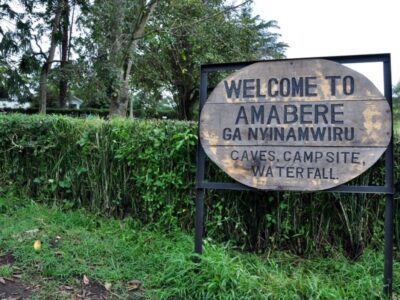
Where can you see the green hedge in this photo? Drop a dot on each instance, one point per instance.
(87, 112)
(82, 112)
(146, 169)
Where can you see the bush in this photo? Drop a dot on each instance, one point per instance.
(146, 168)
(82, 112)
(89, 112)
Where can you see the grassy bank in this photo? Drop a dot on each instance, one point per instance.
(80, 250)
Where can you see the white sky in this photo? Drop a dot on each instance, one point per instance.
(315, 28)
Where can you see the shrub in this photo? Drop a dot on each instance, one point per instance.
(146, 168)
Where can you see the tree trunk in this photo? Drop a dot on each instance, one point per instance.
(181, 59)
(43, 88)
(181, 101)
(119, 105)
(115, 53)
(47, 64)
(63, 86)
(119, 102)
(185, 100)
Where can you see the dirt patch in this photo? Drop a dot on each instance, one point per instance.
(14, 290)
(7, 259)
(96, 291)
(91, 291)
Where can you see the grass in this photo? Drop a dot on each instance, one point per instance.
(6, 271)
(109, 251)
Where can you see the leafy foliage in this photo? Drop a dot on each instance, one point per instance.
(183, 35)
(148, 52)
(146, 169)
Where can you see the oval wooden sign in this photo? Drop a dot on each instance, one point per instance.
(301, 125)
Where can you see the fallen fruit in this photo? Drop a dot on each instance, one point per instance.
(37, 245)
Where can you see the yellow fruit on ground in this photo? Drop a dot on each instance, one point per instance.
(37, 245)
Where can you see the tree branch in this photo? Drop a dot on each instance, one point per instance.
(40, 48)
(138, 30)
(70, 31)
(39, 53)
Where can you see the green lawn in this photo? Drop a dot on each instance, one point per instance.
(78, 247)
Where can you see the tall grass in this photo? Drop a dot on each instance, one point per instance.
(146, 169)
(118, 251)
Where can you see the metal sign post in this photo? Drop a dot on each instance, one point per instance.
(202, 184)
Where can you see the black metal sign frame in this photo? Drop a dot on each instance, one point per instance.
(388, 189)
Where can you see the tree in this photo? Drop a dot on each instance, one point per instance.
(65, 49)
(193, 33)
(116, 27)
(29, 46)
(24, 42)
(49, 56)
(117, 59)
(15, 85)
(16, 75)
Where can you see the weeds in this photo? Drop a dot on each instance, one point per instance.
(107, 250)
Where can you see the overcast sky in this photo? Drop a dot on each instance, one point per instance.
(315, 28)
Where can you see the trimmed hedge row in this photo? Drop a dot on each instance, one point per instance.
(85, 112)
(82, 112)
(146, 169)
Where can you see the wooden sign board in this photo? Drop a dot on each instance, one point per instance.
(301, 125)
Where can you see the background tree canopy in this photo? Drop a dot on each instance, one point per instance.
(111, 53)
